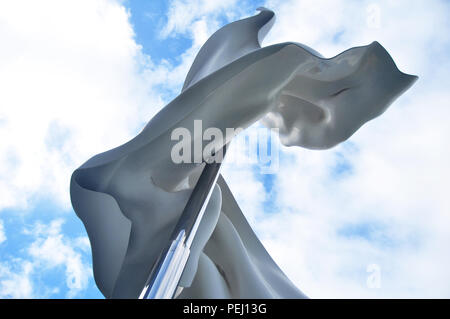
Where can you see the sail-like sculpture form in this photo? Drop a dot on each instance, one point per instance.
(130, 198)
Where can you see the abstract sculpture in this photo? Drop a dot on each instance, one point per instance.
(131, 197)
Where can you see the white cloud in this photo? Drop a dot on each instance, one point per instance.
(185, 17)
(16, 284)
(49, 251)
(247, 189)
(73, 82)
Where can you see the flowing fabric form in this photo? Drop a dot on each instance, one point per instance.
(130, 198)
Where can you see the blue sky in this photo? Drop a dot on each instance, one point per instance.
(147, 18)
(85, 76)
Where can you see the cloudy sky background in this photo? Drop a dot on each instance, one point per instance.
(369, 218)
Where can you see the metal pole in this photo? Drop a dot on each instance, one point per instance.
(166, 273)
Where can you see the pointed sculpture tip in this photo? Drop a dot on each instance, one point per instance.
(263, 9)
(409, 78)
(267, 13)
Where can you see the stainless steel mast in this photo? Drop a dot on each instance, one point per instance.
(166, 273)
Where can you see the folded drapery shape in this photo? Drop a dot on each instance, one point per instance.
(130, 198)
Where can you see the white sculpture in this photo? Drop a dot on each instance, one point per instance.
(130, 198)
